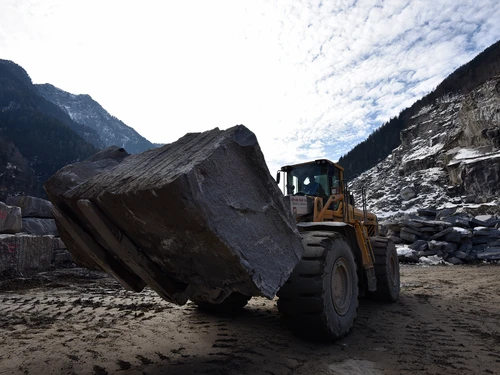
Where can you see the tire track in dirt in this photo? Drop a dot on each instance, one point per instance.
(86, 326)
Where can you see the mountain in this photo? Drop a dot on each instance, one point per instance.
(84, 110)
(448, 151)
(36, 137)
(17, 90)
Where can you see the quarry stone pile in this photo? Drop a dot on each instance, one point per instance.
(435, 235)
(29, 239)
(202, 212)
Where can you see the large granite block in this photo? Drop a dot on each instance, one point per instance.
(204, 210)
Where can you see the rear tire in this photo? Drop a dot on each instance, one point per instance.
(386, 270)
(320, 298)
(235, 302)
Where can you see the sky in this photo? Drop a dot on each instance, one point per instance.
(310, 78)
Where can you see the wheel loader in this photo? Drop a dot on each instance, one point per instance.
(343, 258)
(202, 219)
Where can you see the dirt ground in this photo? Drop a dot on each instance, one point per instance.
(79, 322)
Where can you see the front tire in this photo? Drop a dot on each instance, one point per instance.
(320, 298)
(386, 269)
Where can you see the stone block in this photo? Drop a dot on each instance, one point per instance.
(31, 206)
(21, 253)
(486, 232)
(465, 248)
(479, 247)
(454, 260)
(453, 236)
(492, 253)
(411, 230)
(441, 214)
(436, 245)
(485, 218)
(406, 236)
(419, 245)
(33, 225)
(439, 225)
(450, 247)
(441, 234)
(457, 221)
(396, 239)
(407, 255)
(10, 219)
(473, 223)
(204, 210)
(464, 233)
(427, 212)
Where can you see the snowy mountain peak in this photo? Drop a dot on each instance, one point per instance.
(84, 110)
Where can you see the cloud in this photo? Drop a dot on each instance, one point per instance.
(310, 78)
(370, 59)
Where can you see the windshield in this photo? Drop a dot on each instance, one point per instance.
(308, 179)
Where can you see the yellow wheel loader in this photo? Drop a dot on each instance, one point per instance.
(343, 255)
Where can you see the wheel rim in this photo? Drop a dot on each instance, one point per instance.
(341, 286)
(393, 272)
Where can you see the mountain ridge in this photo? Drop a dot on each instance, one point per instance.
(36, 137)
(82, 109)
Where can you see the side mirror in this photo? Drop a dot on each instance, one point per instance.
(351, 198)
(278, 176)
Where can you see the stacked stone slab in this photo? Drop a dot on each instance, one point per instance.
(36, 213)
(456, 238)
(202, 213)
(27, 239)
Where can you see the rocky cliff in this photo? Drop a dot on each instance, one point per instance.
(449, 154)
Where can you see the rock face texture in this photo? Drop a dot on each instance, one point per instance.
(204, 211)
(449, 153)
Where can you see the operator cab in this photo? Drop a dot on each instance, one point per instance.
(305, 182)
(319, 178)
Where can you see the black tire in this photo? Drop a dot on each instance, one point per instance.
(235, 302)
(386, 270)
(320, 298)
